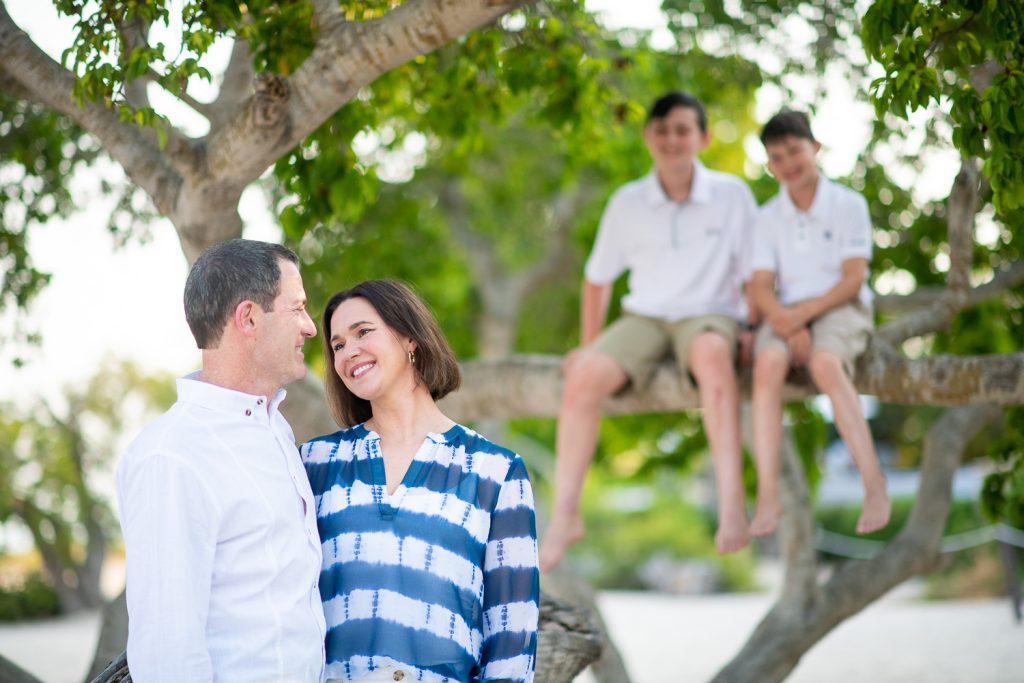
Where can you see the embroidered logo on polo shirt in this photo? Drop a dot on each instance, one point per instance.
(828, 234)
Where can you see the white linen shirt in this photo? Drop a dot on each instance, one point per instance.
(806, 249)
(223, 556)
(684, 258)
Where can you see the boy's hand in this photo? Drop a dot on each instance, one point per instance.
(800, 347)
(787, 321)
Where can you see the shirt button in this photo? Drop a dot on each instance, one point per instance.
(399, 675)
(248, 412)
(259, 401)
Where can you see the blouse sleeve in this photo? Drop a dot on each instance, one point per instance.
(511, 584)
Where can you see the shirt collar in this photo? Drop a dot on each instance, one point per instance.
(820, 205)
(193, 390)
(700, 190)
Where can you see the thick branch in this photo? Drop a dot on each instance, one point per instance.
(531, 385)
(235, 87)
(1006, 279)
(51, 85)
(347, 57)
(963, 205)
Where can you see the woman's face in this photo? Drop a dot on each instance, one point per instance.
(370, 358)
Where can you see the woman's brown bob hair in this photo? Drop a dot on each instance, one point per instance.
(405, 313)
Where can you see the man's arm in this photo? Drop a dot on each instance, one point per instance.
(169, 525)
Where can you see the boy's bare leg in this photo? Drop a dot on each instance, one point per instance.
(829, 375)
(589, 380)
(770, 369)
(711, 363)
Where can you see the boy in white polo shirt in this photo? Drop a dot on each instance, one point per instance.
(683, 233)
(813, 240)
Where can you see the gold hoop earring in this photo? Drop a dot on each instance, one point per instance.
(412, 357)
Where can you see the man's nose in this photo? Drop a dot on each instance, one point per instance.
(309, 327)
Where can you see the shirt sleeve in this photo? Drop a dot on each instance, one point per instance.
(169, 524)
(511, 584)
(607, 259)
(763, 255)
(857, 235)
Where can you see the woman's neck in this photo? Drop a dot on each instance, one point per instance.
(408, 416)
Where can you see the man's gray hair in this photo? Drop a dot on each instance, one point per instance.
(226, 275)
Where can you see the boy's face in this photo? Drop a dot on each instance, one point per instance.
(792, 160)
(676, 139)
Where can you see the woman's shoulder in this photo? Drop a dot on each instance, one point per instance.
(326, 445)
(476, 447)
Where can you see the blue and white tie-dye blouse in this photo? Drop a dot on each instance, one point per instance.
(440, 578)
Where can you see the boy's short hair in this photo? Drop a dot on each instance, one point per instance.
(787, 123)
(669, 101)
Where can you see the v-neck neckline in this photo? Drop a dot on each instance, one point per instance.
(389, 503)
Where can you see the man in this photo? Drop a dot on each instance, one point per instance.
(223, 556)
(683, 233)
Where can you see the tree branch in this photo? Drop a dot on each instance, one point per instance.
(963, 205)
(531, 385)
(51, 85)
(236, 86)
(1006, 279)
(347, 57)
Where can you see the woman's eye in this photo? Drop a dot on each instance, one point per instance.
(364, 331)
(338, 347)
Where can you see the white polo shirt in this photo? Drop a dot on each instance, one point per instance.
(806, 249)
(684, 259)
(223, 554)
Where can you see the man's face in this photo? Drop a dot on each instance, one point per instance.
(676, 139)
(284, 330)
(792, 161)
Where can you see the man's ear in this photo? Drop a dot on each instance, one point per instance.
(245, 318)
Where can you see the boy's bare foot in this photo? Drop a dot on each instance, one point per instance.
(560, 534)
(766, 516)
(732, 534)
(875, 513)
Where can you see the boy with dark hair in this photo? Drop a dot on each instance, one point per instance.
(683, 233)
(812, 240)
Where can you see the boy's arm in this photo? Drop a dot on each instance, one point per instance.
(761, 290)
(844, 291)
(593, 309)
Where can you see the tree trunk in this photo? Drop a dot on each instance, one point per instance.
(807, 610)
(113, 635)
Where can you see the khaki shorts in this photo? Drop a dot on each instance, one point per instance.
(845, 331)
(638, 343)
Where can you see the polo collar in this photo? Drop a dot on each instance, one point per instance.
(700, 191)
(193, 390)
(819, 207)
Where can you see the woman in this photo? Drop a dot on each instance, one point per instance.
(428, 533)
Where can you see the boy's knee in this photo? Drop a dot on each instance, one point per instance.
(593, 378)
(826, 368)
(711, 354)
(771, 366)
